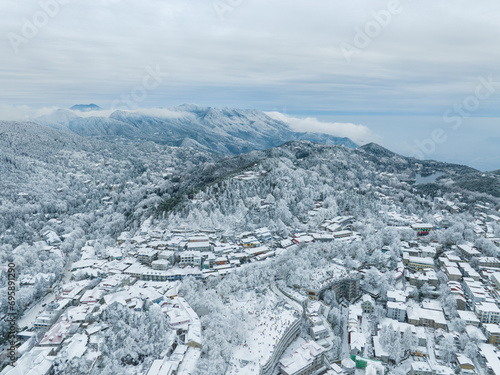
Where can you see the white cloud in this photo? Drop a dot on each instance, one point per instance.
(360, 134)
(27, 113)
(22, 112)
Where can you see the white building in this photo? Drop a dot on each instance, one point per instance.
(199, 246)
(396, 311)
(469, 317)
(495, 279)
(428, 251)
(36, 361)
(396, 296)
(190, 258)
(307, 359)
(319, 332)
(468, 251)
(161, 264)
(487, 312)
(490, 357)
(474, 290)
(420, 368)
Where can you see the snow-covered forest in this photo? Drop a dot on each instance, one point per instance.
(62, 189)
(100, 206)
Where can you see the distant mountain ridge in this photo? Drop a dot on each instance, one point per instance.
(23, 145)
(456, 175)
(86, 107)
(396, 163)
(231, 132)
(226, 131)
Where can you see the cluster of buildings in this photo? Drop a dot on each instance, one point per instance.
(171, 255)
(418, 309)
(69, 327)
(150, 266)
(423, 311)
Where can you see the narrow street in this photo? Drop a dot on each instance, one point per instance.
(344, 332)
(430, 346)
(30, 315)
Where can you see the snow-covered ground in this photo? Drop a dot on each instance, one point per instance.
(268, 319)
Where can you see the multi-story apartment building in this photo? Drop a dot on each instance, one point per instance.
(418, 316)
(305, 361)
(420, 264)
(469, 318)
(396, 311)
(161, 264)
(489, 262)
(492, 333)
(147, 256)
(190, 258)
(468, 271)
(419, 279)
(474, 291)
(345, 285)
(467, 251)
(487, 312)
(429, 251)
(453, 273)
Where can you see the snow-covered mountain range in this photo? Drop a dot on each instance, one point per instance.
(226, 131)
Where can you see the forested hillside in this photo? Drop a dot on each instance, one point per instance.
(72, 192)
(80, 189)
(49, 174)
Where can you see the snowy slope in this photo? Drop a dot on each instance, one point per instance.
(225, 131)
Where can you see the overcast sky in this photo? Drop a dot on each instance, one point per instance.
(401, 71)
